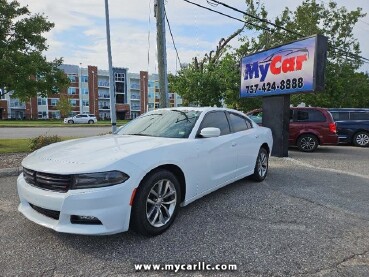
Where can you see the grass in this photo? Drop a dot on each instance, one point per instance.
(53, 123)
(18, 145)
(14, 146)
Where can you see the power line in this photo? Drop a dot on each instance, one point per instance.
(257, 18)
(229, 16)
(171, 34)
(352, 55)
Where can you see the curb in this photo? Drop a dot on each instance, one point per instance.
(7, 172)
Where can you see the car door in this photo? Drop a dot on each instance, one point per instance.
(78, 119)
(247, 143)
(217, 154)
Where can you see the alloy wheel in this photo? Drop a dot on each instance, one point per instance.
(308, 143)
(161, 202)
(362, 139)
(262, 164)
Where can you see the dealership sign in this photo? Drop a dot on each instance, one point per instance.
(291, 68)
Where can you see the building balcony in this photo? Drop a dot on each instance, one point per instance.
(103, 84)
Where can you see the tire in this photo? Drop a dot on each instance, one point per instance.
(261, 165)
(153, 212)
(361, 139)
(70, 121)
(307, 143)
(90, 122)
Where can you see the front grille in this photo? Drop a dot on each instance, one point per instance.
(47, 181)
(46, 212)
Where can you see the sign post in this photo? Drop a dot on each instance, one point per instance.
(276, 73)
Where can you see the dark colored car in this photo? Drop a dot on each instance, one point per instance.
(309, 127)
(352, 125)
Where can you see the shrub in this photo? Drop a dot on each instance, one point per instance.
(43, 140)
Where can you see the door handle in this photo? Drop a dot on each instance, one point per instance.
(234, 144)
(256, 136)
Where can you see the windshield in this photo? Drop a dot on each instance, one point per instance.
(162, 123)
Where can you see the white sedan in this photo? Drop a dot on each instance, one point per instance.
(81, 118)
(141, 175)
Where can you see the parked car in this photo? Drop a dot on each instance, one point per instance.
(141, 175)
(309, 127)
(81, 118)
(352, 125)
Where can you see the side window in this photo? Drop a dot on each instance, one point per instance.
(302, 115)
(340, 116)
(310, 116)
(316, 116)
(238, 122)
(359, 116)
(217, 120)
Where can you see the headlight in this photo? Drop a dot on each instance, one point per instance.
(98, 180)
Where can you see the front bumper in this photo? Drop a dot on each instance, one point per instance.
(110, 205)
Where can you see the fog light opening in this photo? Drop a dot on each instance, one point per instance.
(85, 219)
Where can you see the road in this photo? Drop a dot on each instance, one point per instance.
(6, 133)
(309, 218)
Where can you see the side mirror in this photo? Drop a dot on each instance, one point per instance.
(210, 132)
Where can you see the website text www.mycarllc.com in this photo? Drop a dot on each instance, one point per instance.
(200, 266)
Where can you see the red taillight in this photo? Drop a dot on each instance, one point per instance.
(332, 127)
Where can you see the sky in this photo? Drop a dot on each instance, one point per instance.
(79, 35)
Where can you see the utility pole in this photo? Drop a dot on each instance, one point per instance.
(162, 52)
(111, 77)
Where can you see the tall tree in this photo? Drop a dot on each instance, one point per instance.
(202, 82)
(64, 106)
(23, 67)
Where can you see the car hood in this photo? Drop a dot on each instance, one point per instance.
(91, 154)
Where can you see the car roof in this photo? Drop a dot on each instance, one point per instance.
(200, 109)
(348, 109)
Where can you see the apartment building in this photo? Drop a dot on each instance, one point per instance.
(88, 92)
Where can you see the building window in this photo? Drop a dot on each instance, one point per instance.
(85, 103)
(54, 102)
(54, 114)
(119, 77)
(84, 79)
(72, 91)
(84, 90)
(42, 115)
(72, 78)
(73, 102)
(41, 101)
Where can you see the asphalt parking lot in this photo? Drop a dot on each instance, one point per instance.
(309, 218)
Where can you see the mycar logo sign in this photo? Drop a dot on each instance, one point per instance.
(291, 68)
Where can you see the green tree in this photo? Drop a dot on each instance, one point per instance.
(23, 67)
(204, 81)
(64, 106)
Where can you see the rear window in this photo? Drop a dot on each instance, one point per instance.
(310, 116)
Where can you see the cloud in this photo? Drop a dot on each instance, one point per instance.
(79, 34)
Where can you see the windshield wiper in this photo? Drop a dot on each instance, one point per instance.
(138, 134)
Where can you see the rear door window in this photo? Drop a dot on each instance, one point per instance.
(238, 122)
(337, 116)
(310, 116)
(359, 116)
